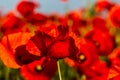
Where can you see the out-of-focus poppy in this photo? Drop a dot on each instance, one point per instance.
(114, 58)
(37, 19)
(26, 8)
(77, 21)
(39, 70)
(101, 5)
(74, 16)
(99, 23)
(114, 16)
(8, 45)
(94, 71)
(11, 23)
(103, 41)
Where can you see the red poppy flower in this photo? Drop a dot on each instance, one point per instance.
(103, 41)
(99, 23)
(96, 71)
(11, 23)
(114, 16)
(87, 54)
(26, 8)
(8, 45)
(37, 19)
(59, 46)
(39, 70)
(102, 5)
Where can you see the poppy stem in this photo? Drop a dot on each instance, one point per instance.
(59, 71)
(7, 73)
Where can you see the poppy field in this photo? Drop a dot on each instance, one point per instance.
(82, 44)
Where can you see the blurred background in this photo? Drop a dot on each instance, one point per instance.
(49, 6)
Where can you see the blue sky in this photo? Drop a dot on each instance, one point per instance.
(47, 6)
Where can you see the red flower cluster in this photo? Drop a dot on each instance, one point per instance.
(34, 42)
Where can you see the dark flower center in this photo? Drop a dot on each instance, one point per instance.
(82, 57)
(38, 68)
(96, 44)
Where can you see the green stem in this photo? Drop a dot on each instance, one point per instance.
(59, 71)
(7, 73)
(17, 77)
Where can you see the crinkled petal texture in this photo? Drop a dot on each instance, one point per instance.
(59, 46)
(39, 70)
(8, 45)
(114, 16)
(38, 44)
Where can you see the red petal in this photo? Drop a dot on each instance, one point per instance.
(8, 45)
(59, 49)
(39, 43)
(7, 57)
(22, 56)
